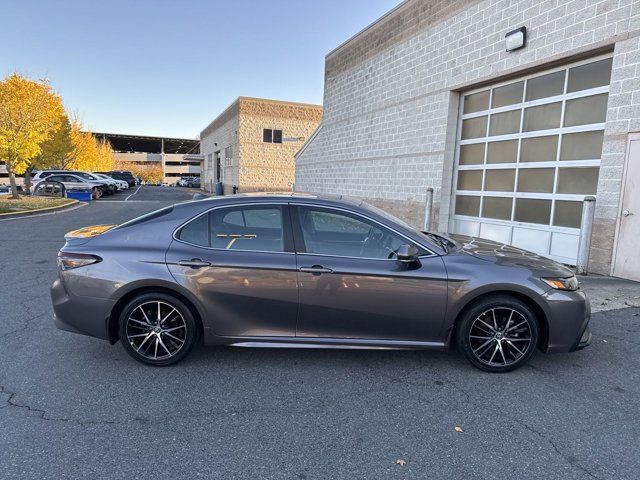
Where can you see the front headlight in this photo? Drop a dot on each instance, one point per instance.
(568, 283)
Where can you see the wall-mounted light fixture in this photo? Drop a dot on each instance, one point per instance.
(515, 39)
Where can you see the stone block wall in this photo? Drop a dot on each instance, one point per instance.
(392, 92)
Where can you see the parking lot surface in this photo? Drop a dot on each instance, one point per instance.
(72, 406)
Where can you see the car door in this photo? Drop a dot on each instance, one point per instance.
(239, 261)
(352, 286)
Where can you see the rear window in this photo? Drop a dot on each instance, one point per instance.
(248, 228)
(146, 217)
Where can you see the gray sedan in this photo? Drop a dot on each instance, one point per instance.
(298, 270)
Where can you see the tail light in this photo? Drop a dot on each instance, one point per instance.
(67, 261)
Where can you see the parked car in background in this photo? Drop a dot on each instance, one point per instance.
(191, 182)
(125, 175)
(108, 186)
(4, 190)
(121, 184)
(72, 181)
(307, 271)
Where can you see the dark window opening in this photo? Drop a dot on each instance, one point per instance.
(271, 136)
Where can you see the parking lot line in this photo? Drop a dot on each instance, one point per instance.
(133, 193)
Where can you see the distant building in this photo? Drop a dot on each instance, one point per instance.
(251, 145)
(512, 111)
(177, 156)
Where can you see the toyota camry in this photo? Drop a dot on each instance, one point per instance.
(295, 270)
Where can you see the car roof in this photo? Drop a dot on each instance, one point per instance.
(281, 197)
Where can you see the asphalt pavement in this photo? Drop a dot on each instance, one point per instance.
(76, 407)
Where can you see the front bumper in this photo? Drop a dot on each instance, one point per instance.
(568, 315)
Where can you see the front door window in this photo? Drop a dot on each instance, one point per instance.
(329, 232)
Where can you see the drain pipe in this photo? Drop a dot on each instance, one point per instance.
(586, 228)
(428, 207)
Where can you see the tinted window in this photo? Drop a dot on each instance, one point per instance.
(55, 178)
(240, 228)
(145, 217)
(247, 228)
(330, 232)
(196, 232)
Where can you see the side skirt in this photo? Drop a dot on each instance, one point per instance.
(339, 343)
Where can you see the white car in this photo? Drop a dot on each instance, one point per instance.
(72, 181)
(109, 185)
(122, 185)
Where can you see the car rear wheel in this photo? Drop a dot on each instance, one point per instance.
(157, 329)
(498, 334)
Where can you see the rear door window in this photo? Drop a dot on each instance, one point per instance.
(249, 228)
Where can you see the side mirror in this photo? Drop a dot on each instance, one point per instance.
(407, 253)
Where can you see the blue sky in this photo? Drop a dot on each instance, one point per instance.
(169, 67)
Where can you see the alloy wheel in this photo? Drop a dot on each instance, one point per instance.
(156, 330)
(500, 337)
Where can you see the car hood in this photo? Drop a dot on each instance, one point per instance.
(503, 254)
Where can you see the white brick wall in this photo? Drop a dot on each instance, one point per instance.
(389, 120)
(225, 135)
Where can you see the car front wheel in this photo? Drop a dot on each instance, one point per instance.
(157, 329)
(498, 334)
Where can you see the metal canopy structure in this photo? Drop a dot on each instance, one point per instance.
(145, 144)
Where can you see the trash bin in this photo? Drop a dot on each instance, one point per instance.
(218, 188)
(82, 196)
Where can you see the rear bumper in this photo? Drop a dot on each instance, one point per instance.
(84, 315)
(568, 315)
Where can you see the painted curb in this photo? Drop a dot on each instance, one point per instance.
(28, 213)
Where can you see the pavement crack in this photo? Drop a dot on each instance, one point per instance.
(567, 458)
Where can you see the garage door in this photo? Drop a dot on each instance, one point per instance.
(528, 152)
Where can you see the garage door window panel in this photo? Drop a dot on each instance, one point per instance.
(542, 117)
(500, 180)
(467, 205)
(586, 110)
(502, 152)
(505, 123)
(537, 180)
(476, 102)
(578, 181)
(497, 207)
(472, 154)
(538, 141)
(591, 75)
(544, 86)
(470, 180)
(539, 149)
(507, 95)
(474, 128)
(531, 210)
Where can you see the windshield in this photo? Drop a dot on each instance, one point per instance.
(86, 176)
(432, 238)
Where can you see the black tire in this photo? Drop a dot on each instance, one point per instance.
(96, 193)
(141, 310)
(501, 324)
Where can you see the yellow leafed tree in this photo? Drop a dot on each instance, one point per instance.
(88, 153)
(30, 113)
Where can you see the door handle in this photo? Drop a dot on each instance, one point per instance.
(316, 270)
(194, 263)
